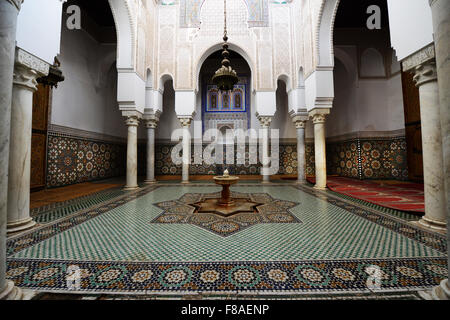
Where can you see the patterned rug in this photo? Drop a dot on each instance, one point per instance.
(407, 197)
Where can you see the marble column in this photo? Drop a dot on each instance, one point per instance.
(265, 122)
(319, 118)
(185, 123)
(132, 123)
(300, 123)
(423, 65)
(441, 24)
(8, 21)
(151, 125)
(27, 69)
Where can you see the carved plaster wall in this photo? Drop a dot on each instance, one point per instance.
(189, 31)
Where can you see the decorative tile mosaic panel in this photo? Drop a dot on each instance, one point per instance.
(269, 210)
(288, 163)
(384, 159)
(72, 160)
(343, 159)
(310, 159)
(373, 158)
(165, 166)
(365, 159)
(288, 159)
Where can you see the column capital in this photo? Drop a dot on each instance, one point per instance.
(299, 121)
(16, 3)
(424, 73)
(25, 78)
(27, 68)
(265, 121)
(319, 115)
(422, 64)
(132, 121)
(185, 121)
(151, 123)
(151, 119)
(319, 118)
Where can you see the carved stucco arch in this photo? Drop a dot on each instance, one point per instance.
(287, 80)
(325, 33)
(163, 79)
(125, 34)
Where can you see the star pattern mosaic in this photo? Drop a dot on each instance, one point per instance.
(268, 210)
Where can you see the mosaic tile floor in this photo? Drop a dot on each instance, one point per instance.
(337, 246)
(264, 209)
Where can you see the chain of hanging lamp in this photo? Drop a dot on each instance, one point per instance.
(225, 78)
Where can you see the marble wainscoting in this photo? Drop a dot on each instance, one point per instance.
(75, 156)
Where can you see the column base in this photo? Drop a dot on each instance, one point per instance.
(441, 292)
(185, 182)
(433, 224)
(19, 226)
(320, 187)
(130, 188)
(301, 181)
(11, 292)
(150, 181)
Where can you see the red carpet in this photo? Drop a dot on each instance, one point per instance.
(399, 196)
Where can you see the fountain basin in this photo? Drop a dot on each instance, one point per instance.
(226, 181)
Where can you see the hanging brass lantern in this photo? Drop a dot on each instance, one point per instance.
(225, 78)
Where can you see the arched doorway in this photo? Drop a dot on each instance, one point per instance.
(226, 111)
(225, 108)
(366, 127)
(84, 112)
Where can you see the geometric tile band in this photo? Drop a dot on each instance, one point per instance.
(229, 277)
